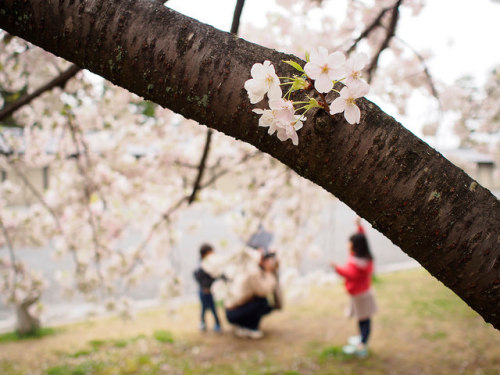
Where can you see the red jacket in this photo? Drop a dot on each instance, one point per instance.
(357, 273)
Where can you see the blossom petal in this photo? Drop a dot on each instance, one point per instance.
(337, 106)
(274, 92)
(312, 70)
(345, 93)
(359, 88)
(298, 124)
(336, 59)
(258, 71)
(267, 118)
(255, 90)
(281, 134)
(352, 114)
(255, 98)
(358, 61)
(337, 73)
(323, 83)
(322, 52)
(319, 56)
(272, 129)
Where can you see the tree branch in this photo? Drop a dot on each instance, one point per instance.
(235, 25)
(201, 169)
(427, 73)
(165, 216)
(38, 195)
(391, 31)
(59, 81)
(376, 22)
(88, 195)
(12, 255)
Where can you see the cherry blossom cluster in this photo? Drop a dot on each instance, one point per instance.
(321, 72)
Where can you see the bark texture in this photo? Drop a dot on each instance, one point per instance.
(423, 203)
(26, 322)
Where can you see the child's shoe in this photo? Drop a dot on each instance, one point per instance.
(354, 340)
(247, 333)
(349, 349)
(217, 328)
(361, 351)
(203, 326)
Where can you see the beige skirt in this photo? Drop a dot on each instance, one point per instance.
(362, 306)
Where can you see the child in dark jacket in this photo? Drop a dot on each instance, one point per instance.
(205, 281)
(357, 273)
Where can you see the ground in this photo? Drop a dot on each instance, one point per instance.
(422, 328)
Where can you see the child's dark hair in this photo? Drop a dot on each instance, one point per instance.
(360, 246)
(205, 249)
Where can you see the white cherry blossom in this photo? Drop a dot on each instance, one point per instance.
(281, 119)
(354, 66)
(288, 121)
(267, 119)
(346, 103)
(324, 68)
(289, 130)
(264, 81)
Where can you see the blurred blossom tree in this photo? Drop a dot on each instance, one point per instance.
(123, 168)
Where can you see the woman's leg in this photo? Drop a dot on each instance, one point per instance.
(364, 330)
(250, 314)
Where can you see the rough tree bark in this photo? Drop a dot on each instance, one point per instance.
(26, 322)
(430, 208)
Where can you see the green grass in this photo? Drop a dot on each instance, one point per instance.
(163, 336)
(83, 368)
(15, 336)
(96, 344)
(334, 352)
(121, 343)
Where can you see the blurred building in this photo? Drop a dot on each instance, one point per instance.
(479, 166)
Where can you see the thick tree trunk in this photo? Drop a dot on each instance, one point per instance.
(26, 322)
(430, 208)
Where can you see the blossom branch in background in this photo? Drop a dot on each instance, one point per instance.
(430, 80)
(87, 194)
(38, 196)
(166, 215)
(59, 81)
(369, 29)
(391, 32)
(196, 186)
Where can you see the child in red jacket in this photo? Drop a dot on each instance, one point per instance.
(357, 273)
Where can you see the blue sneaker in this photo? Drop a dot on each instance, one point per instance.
(359, 351)
(362, 352)
(217, 328)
